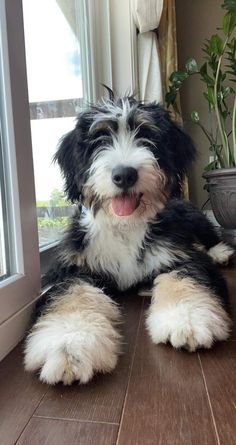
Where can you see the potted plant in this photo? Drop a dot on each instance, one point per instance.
(218, 73)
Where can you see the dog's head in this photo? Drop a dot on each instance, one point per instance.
(125, 158)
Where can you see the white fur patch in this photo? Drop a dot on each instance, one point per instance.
(126, 151)
(75, 338)
(221, 253)
(116, 250)
(185, 314)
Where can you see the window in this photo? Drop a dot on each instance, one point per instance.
(68, 58)
(20, 272)
(55, 89)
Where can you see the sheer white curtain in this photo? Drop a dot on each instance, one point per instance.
(147, 15)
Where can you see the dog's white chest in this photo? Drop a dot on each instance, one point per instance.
(117, 254)
(122, 255)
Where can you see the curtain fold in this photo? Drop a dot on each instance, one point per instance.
(168, 42)
(167, 38)
(147, 15)
(149, 69)
(68, 10)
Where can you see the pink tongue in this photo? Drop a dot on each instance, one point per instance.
(124, 205)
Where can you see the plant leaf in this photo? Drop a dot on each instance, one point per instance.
(191, 66)
(211, 166)
(170, 97)
(195, 117)
(229, 22)
(216, 45)
(210, 96)
(226, 91)
(229, 5)
(205, 76)
(225, 114)
(177, 77)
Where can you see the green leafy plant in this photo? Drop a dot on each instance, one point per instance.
(55, 223)
(218, 73)
(57, 199)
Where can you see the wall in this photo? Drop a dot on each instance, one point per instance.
(196, 21)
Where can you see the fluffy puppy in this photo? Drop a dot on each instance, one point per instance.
(125, 162)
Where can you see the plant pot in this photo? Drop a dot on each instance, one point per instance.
(222, 189)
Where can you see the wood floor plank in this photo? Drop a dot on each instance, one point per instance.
(58, 432)
(219, 367)
(166, 401)
(101, 399)
(230, 275)
(20, 393)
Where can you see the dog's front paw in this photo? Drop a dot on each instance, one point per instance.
(189, 325)
(73, 349)
(221, 253)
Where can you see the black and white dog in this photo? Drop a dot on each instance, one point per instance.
(125, 162)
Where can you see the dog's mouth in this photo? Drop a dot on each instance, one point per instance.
(126, 204)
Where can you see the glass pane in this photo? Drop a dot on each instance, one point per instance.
(52, 208)
(55, 96)
(3, 266)
(52, 50)
(4, 247)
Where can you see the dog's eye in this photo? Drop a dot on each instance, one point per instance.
(103, 128)
(143, 132)
(100, 138)
(101, 132)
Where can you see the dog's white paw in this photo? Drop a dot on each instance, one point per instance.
(189, 324)
(71, 348)
(221, 253)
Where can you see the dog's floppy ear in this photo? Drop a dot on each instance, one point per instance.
(175, 148)
(179, 153)
(74, 155)
(66, 158)
(182, 148)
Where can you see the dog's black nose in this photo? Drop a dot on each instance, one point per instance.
(124, 177)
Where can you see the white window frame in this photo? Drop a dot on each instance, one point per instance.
(111, 36)
(18, 292)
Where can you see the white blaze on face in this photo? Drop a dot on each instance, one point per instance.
(128, 151)
(124, 151)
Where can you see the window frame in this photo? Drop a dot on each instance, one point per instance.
(4, 235)
(19, 291)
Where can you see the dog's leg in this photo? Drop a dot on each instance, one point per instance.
(186, 312)
(75, 337)
(204, 234)
(221, 253)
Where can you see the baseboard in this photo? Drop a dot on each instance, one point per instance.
(13, 330)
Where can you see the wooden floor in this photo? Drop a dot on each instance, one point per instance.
(156, 396)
